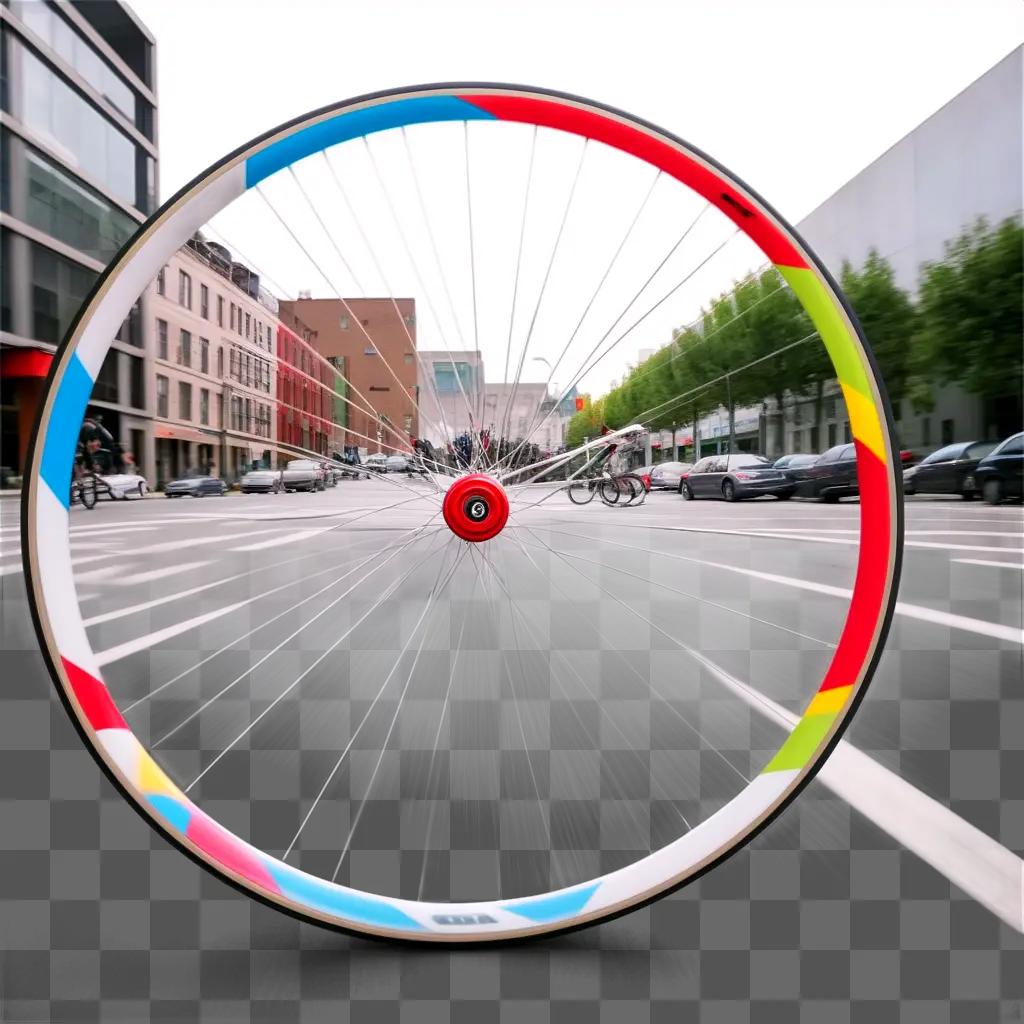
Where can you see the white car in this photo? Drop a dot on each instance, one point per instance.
(122, 486)
(397, 464)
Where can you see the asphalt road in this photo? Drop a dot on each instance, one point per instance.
(269, 648)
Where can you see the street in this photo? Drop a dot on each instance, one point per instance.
(336, 676)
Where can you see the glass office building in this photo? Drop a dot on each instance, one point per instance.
(78, 173)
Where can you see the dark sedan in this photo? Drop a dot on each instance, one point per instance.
(950, 470)
(195, 486)
(798, 460)
(733, 477)
(1001, 473)
(832, 476)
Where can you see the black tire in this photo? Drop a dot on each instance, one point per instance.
(87, 492)
(968, 495)
(581, 492)
(142, 489)
(609, 491)
(829, 499)
(729, 490)
(636, 484)
(992, 491)
(686, 491)
(785, 496)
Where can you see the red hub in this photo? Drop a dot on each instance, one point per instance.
(475, 507)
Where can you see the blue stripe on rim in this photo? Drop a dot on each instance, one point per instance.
(63, 428)
(319, 894)
(553, 908)
(355, 123)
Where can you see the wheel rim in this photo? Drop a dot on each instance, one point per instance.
(79, 674)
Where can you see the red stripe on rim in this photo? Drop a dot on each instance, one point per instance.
(556, 114)
(226, 850)
(97, 705)
(872, 572)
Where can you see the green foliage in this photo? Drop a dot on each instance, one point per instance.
(971, 312)
(756, 342)
(888, 318)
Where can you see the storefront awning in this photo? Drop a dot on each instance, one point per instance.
(25, 362)
(176, 433)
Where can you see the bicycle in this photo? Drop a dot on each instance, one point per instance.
(83, 488)
(598, 481)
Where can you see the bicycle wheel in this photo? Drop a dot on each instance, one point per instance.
(380, 716)
(637, 491)
(610, 490)
(581, 492)
(87, 491)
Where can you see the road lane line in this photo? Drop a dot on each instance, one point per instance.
(970, 859)
(911, 611)
(159, 574)
(1019, 566)
(192, 542)
(148, 640)
(288, 538)
(119, 613)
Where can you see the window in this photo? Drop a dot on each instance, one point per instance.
(161, 396)
(184, 400)
(204, 302)
(50, 199)
(220, 310)
(220, 362)
(832, 455)
(185, 348)
(51, 108)
(184, 290)
(48, 25)
(947, 432)
(1012, 446)
(59, 288)
(131, 331)
(204, 355)
(161, 339)
(926, 430)
(410, 319)
(897, 410)
(407, 423)
(204, 406)
(831, 434)
(951, 451)
(848, 454)
(247, 324)
(847, 436)
(407, 359)
(830, 408)
(234, 315)
(105, 388)
(344, 323)
(161, 281)
(136, 383)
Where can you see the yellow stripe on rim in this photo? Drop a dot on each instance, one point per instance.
(152, 779)
(829, 702)
(864, 422)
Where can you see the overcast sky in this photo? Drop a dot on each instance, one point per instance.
(795, 97)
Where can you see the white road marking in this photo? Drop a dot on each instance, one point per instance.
(143, 643)
(288, 538)
(159, 574)
(95, 575)
(119, 613)
(968, 857)
(192, 542)
(911, 611)
(7, 570)
(1019, 566)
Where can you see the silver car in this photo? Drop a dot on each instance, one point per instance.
(398, 464)
(261, 481)
(302, 475)
(668, 475)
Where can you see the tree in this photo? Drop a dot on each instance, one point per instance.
(887, 316)
(971, 318)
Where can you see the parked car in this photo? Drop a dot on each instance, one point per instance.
(949, 470)
(644, 472)
(123, 485)
(302, 475)
(797, 460)
(833, 475)
(377, 462)
(397, 464)
(329, 473)
(261, 481)
(669, 475)
(1000, 474)
(195, 485)
(732, 477)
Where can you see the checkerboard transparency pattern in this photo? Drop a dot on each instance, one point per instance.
(822, 918)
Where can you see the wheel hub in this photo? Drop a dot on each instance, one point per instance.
(475, 507)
